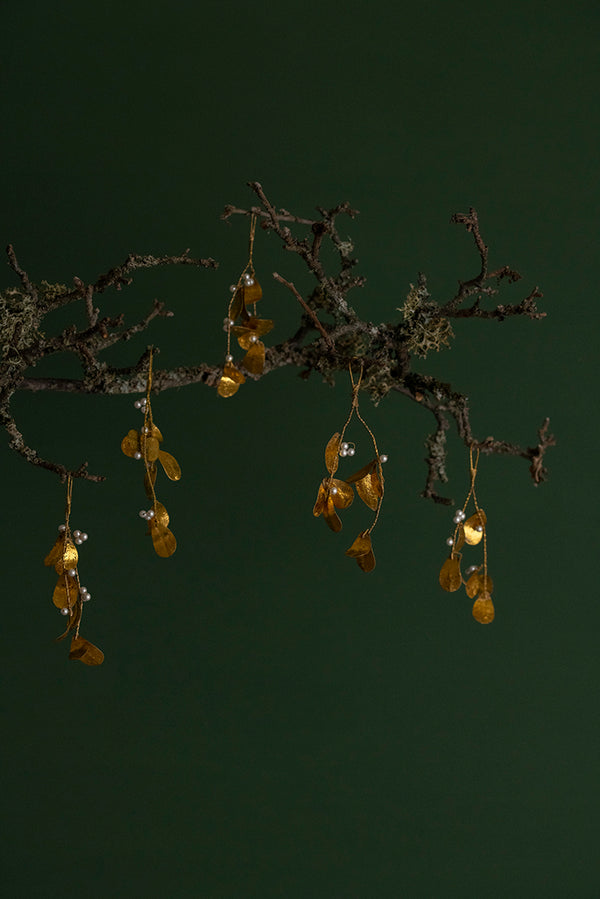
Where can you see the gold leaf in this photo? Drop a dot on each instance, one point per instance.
(460, 538)
(331, 516)
(161, 516)
(483, 609)
(74, 620)
(370, 489)
(237, 304)
(361, 545)
(130, 444)
(450, 578)
(344, 494)
(151, 448)
(260, 326)
(360, 474)
(321, 501)
(66, 592)
(230, 380)
(84, 651)
(477, 583)
(68, 558)
(170, 465)
(254, 360)
(367, 562)
(56, 551)
(155, 432)
(164, 542)
(150, 479)
(472, 535)
(252, 292)
(332, 450)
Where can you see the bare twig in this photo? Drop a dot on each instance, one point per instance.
(310, 312)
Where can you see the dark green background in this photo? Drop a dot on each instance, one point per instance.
(269, 722)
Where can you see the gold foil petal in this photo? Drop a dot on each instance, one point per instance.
(361, 546)
(362, 472)
(155, 432)
(130, 444)
(170, 465)
(478, 584)
(164, 542)
(344, 496)
(367, 562)
(227, 387)
(483, 609)
(320, 502)
(331, 516)
(84, 651)
(450, 578)
(66, 592)
(254, 360)
(161, 516)
(252, 293)
(460, 538)
(260, 326)
(152, 448)
(472, 535)
(332, 454)
(74, 620)
(237, 304)
(369, 489)
(56, 552)
(68, 558)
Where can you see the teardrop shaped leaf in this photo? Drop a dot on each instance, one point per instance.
(130, 444)
(450, 578)
(254, 360)
(332, 450)
(56, 552)
(478, 584)
(84, 651)
(331, 516)
(483, 609)
(150, 479)
(367, 562)
(164, 542)
(365, 470)
(260, 326)
(370, 489)
(230, 380)
(170, 465)
(459, 541)
(236, 304)
(155, 432)
(361, 546)
(472, 535)
(161, 516)
(150, 448)
(252, 293)
(344, 494)
(69, 557)
(66, 592)
(320, 502)
(73, 622)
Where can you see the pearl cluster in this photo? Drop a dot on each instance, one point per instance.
(228, 323)
(459, 516)
(78, 536)
(141, 404)
(347, 449)
(147, 514)
(248, 279)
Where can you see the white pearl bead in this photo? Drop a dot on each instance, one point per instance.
(83, 536)
(142, 513)
(450, 541)
(343, 452)
(62, 528)
(479, 528)
(138, 404)
(253, 338)
(78, 541)
(383, 458)
(334, 490)
(150, 514)
(76, 534)
(86, 597)
(232, 288)
(83, 590)
(72, 572)
(228, 358)
(471, 569)
(351, 451)
(64, 611)
(457, 519)
(137, 456)
(345, 446)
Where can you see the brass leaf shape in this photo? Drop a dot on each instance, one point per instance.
(332, 450)
(362, 551)
(254, 360)
(370, 489)
(170, 465)
(344, 494)
(320, 502)
(74, 620)
(472, 535)
(237, 304)
(84, 651)
(230, 380)
(252, 292)
(450, 577)
(161, 516)
(151, 447)
(66, 592)
(478, 584)
(331, 516)
(365, 470)
(164, 541)
(460, 538)
(56, 551)
(68, 558)
(130, 444)
(155, 432)
(483, 609)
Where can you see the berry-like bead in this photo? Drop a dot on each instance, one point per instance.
(334, 490)
(150, 514)
(85, 597)
(351, 451)
(64, 611)
(76, 534)
(228, 358)
(78, 541)
(138, 404)
(450, 541)
(137, 456)
(84, 536)
(72, 572)
(62, 528)
(383, 458)
(142, 513)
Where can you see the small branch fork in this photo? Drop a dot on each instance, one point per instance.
(340, 340)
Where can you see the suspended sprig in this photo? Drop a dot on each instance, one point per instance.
(69, 594)
(145, 445)
(249, 328)
(471, 530)
(334, 493)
